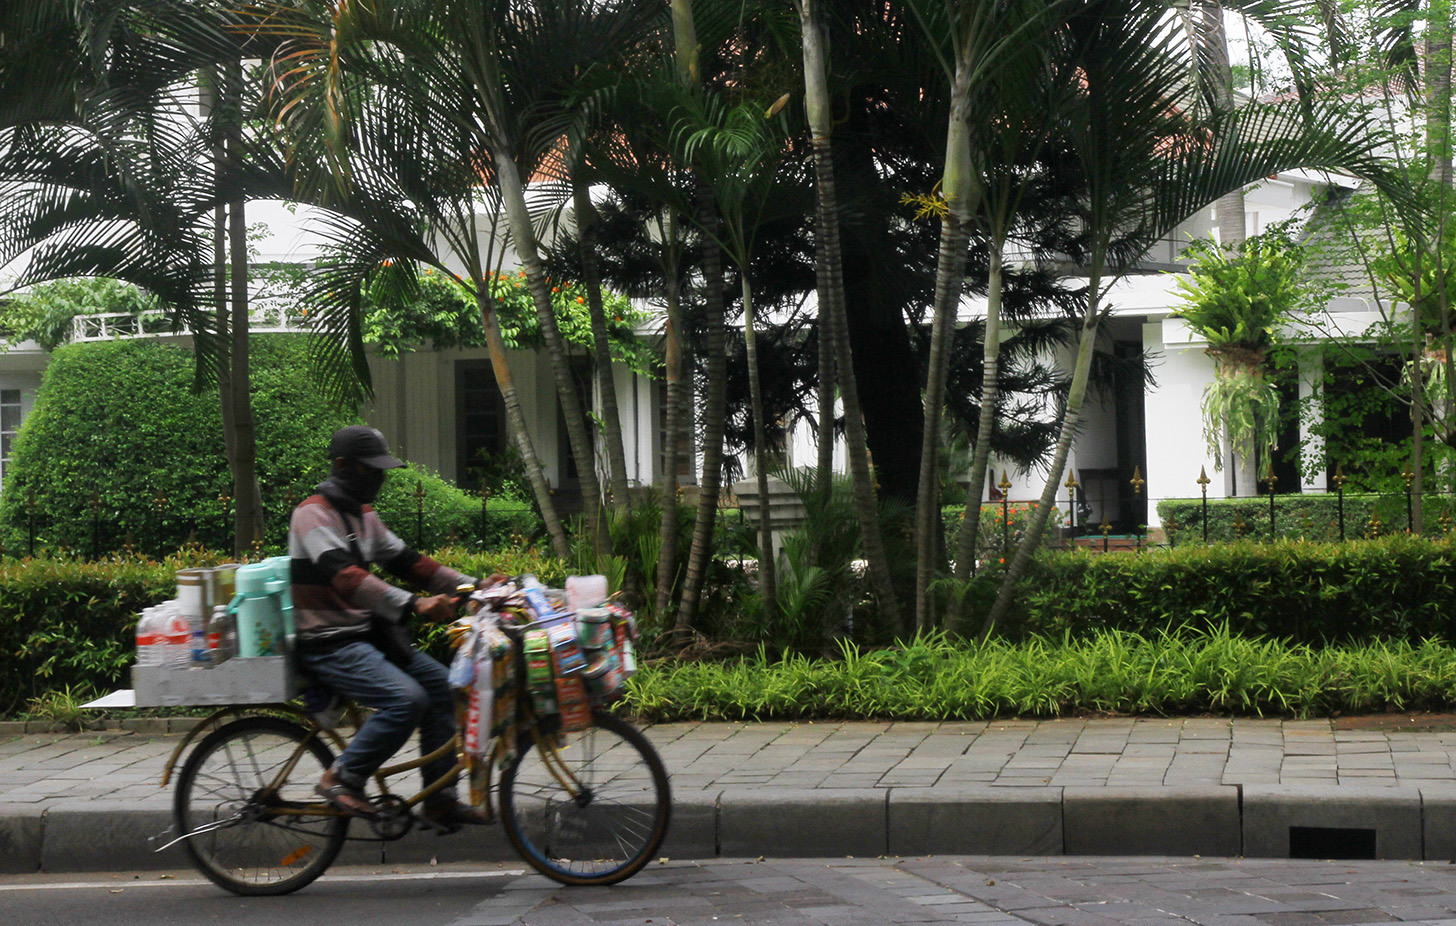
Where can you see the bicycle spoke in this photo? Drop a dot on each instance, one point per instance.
(587, 808)
(259, 841)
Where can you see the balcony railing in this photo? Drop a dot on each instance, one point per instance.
(263, 319)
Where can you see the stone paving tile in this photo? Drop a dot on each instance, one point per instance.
(1018, 753)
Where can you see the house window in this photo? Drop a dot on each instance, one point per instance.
(480, 421)
(9, 424)
(581, 377)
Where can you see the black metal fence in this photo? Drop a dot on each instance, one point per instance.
(1335, 514)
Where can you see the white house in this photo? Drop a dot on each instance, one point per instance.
(1156, 432)
(439, 408)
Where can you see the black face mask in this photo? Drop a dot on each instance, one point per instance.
(363, 485)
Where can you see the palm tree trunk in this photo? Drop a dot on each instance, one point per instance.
(833, 320)
(673, 417)
(685, 42)
(824, 458)
(965, 558)
(714, 421)
(1036, 523)
(1246, 473)
(224, 351)
(766, 576)
(1213, 37)
(586, 219)
(211, 100)
(821, 124)
(516, 421)
(957, 187)
(247, 500)
(1437, 80)
(248, 513)
(685, 49)
(523, 237)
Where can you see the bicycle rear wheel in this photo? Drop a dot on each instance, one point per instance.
(589, 807)
(251, 838)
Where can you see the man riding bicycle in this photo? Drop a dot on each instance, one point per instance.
(352, 631)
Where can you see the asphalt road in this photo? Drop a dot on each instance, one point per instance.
(804, 892)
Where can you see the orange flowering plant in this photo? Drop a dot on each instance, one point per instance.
(444, 314)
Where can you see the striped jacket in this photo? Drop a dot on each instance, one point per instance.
(334, 593)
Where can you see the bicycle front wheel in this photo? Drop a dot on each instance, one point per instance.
(589, 807)
(246, 795)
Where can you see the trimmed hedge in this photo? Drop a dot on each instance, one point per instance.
(1303, 517)
(120, 422)
(1392, 588)
(70, 624)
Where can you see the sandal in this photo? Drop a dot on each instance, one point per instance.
(345, 798)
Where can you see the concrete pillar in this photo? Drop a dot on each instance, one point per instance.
(785, 508)
(1312, 475)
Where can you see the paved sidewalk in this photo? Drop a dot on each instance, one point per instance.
(1082, 786)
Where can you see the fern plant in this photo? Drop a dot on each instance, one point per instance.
(1236, 298)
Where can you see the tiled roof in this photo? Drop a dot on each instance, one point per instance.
(1338, 250)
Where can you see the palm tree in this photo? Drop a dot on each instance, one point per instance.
(833, 325)
(981, 35)
(1013, 123)
(586, 222)
(105, 175)
(470, 91)
(1145, 160)
(734, 152)
(647, 252)
(687, 59)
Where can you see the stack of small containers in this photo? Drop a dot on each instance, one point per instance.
(578, 650)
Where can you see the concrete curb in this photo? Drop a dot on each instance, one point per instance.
(1255, 821)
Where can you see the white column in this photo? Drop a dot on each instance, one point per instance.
(1311, 380)
(1173, 409)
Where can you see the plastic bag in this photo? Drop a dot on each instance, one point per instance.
(462, 667)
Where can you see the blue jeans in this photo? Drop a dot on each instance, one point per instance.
(416, 696)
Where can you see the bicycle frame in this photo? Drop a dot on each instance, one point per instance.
(463, 764)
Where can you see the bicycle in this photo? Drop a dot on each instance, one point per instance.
(589, 807)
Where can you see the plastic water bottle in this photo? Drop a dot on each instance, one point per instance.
(150, 642)
(222, 638)
(201, 658)
(179, 637)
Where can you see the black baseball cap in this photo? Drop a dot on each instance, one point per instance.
(358, 442)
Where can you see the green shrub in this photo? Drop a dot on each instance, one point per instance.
(66, 624)
(70, 624)
(1303, 517)
(117, 425)
(450, 516)
(932, 678)
(1392, 588)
